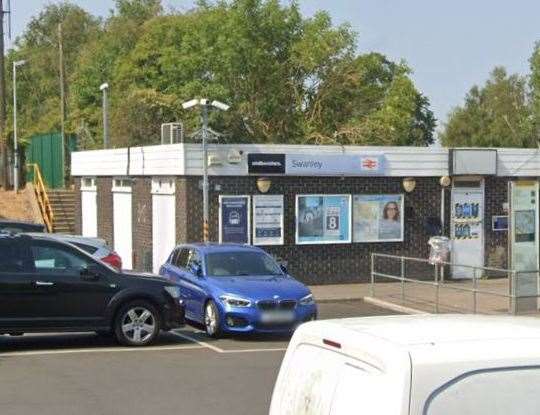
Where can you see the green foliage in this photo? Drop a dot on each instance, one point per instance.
(288, 78)
(495, 115)
(38, 86)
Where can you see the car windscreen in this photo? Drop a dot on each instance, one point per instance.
(234, 264)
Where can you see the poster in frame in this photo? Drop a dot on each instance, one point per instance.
(234, 219)
(268, 220)
(323, 219)
(378, 218)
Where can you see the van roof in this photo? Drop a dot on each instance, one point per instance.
(421, 329)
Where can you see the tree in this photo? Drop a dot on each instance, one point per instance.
(38, 81)
(369, 100)
(98, 63)
(288, 78)
(495, 115)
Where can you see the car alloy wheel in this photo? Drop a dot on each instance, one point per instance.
(211, 319)
(138, 324)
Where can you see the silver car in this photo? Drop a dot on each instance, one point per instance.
(96, 247)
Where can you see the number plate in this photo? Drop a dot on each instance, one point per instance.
(277, 317)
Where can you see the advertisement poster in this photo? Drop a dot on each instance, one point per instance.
(323, 219)
(234, 219)
(525, 225)
(378, 218)
(268, 220)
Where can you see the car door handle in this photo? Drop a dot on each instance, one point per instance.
(44, 283)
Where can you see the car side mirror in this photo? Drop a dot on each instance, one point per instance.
(90, 273)
(284, 268)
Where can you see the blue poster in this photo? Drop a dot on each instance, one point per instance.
(234, 217)
(323, 219)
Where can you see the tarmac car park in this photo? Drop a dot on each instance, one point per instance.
(183, 372)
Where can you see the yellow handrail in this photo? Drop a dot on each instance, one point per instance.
(42, 197)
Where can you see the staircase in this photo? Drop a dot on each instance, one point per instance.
(63, 207)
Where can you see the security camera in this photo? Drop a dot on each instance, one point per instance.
(103, 86)
(189, 104)
(220, 105)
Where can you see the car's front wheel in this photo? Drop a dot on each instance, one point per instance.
(212, 320)
(137, 324)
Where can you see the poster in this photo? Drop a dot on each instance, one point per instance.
(378, 218)
(268, 220)
(525, 225)
(323, 219)
(234, 219)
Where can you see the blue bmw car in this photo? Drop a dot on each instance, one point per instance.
(238, 289)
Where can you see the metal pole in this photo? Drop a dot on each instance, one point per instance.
(105, 120)
(3, 136)
(62, 99)
(475, 287)
(514, 293)
(372, 285)
(15, 147)
(205, 171)
(402, 280)
(436, 291)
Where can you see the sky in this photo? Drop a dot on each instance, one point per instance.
(450, 45)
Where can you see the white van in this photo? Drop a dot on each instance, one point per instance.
(415, 365)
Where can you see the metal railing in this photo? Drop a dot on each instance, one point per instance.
(510, 278)
(42, 197)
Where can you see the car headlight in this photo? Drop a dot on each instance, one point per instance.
(235, 301)
(307, 300)
(173, 291)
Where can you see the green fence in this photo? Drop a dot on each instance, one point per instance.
(46, 150)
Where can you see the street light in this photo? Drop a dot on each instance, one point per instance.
(103, 88)
(16, 64)
(205, 105)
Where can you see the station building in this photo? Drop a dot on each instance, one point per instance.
(320, 209)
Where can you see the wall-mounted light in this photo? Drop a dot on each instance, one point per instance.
(445, 181)
(263, 184)
(409, 184)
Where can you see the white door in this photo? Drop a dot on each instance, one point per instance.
(122, 222)
(163, 221)
(524, 242)
(89, 207)
(467, 227)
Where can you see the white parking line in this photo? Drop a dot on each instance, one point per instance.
(282, 349)
(101, 350)
(204, 344)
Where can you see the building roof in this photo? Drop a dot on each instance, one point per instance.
(185, 159)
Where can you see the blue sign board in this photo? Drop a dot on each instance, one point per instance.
(234, 219)
(334, 164)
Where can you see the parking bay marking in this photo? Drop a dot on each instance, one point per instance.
(222, 351)
(101, 350)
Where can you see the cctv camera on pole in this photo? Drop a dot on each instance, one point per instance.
(205, 105)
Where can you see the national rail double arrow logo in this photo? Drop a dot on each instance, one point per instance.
(369, 164)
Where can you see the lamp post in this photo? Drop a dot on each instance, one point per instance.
(16, 64)
(103, 88)
(205, 105)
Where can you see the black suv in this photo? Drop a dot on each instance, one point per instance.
(51, 286)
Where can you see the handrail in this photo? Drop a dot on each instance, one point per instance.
(42, 197)
(511, 276)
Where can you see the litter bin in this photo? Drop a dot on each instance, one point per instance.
(439, 249)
